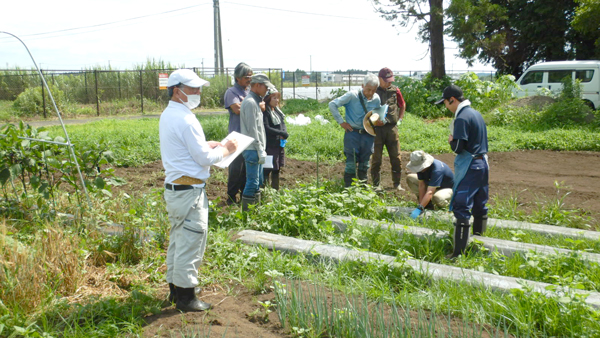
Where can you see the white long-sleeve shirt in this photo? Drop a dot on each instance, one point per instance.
(183, 147)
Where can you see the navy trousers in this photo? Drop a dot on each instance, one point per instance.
(472, 193)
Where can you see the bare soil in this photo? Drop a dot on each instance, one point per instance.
(528, 175)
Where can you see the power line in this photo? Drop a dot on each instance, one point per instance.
(297, 12)
(107, 23)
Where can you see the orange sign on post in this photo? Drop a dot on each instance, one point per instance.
(305, 80)
(163, 79)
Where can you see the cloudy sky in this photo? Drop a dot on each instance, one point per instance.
(324, 35)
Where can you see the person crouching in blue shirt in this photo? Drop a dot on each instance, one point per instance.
(358, 144)
(431, 182)
(468, 139)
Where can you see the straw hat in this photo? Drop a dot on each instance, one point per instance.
(368, 125)
(419, 161)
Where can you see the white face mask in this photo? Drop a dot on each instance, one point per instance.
(193, 100)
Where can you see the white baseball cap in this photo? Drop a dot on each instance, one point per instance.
(186, 77)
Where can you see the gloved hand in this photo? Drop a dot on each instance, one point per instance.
(262, 156)
(416, 213)
(399, 122)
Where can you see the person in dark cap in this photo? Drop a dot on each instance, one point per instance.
(386, 132)
(468, 139)
(252, 125)
(233, 102)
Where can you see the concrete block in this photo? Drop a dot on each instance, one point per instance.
(435, 271)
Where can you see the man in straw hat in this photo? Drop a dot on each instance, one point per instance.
(186, 157)
(468, 139)
(251, 118)
(358, 143)
(431, 181)
(387, 130)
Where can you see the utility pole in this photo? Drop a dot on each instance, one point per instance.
(218, 42)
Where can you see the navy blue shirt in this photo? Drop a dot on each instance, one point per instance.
(470, 127)
(437, 175)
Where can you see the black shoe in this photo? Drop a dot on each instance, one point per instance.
(187, 301)
(172, 294)
(479, 225)
(461, 237)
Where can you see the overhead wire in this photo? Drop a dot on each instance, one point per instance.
(103, 24)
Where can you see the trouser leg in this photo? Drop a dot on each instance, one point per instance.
(275, 179)
(393, 149)
(351, 153)
(377, 158)
(254, 173)
(267, 175)
(188, 214)
(236, 179)
(442, 197)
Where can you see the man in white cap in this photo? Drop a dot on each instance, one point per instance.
(431, 181)
(186, 157)
(251, 120)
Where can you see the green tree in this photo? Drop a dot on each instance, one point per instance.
(513, 34)
(430, 13)
(587, 21)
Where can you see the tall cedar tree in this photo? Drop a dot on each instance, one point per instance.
(430, 13)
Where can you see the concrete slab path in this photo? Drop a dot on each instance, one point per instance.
(549, 230)
(436, 271)
(507, 248)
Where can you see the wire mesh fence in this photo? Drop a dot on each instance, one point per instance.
(105, 92)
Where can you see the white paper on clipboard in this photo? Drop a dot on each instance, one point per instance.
(243, 143)
(268, 162)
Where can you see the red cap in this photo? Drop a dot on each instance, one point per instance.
(386, 74)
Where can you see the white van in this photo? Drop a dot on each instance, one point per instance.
(550, 74)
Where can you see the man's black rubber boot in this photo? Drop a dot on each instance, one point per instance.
(247, 201)
(187, 301)
(479, 225)
(172, 293)
(461, 237)
(348, 178)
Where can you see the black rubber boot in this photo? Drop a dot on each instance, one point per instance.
(348, 178)
(376, 178)
(172, 293)
(362, 176)
(247, 201)
(461, 237)
(479, 225)
(187, 301)
(275, 179)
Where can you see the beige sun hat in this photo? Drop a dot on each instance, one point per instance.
(369, 122)
(419, 161)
